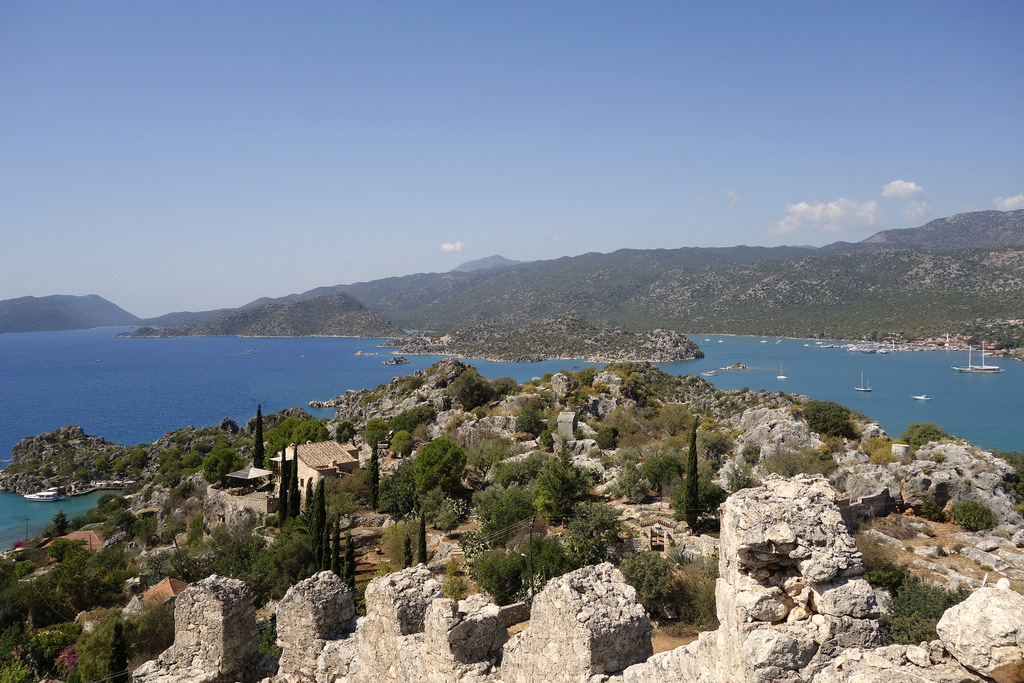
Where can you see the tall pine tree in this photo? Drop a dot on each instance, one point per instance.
(259, 453)
(283, 506)
(692, 486)
(294, 500)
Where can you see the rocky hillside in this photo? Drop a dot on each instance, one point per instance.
(981, 229)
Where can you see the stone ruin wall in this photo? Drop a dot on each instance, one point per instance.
(792, 603)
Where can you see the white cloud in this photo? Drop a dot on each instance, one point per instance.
(451, 246)
(842, 215)
(1009, 203)
(556, 238)
(914, 206)
(734, 197)
(903, 190)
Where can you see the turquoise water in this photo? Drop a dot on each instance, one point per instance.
(23, 518)
(133, 391)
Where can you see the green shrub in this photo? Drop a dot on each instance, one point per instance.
(829, 418)
(974, 516)
(916, 608)
(931, 511)
(918, 434)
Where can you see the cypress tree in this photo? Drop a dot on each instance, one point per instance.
(373, 479)
(283, 508)
(336, 549)
(407, 555)
(259, 450)
(421, 548)
(319, 533)
(294, 501)
(117, 663)
(350, 561)
(692, 484)
(309, 494)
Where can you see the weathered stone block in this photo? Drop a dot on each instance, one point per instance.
(582, 624)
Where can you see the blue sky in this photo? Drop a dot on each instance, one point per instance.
(197, 155)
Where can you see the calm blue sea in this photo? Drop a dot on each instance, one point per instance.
(133, 391)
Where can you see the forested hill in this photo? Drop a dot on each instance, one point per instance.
(336, 315)
(60, 312)
(840, 295)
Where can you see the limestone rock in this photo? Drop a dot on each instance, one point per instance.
(312, 612)
(462, 639)
(389, 640)
(985, 633)
(582, 624)
(214, 636)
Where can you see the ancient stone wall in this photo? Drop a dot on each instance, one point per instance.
(791, 599)
(214, 637)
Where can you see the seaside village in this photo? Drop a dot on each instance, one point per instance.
(864, 569)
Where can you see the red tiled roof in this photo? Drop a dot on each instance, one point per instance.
(163, 591)
(91, 539)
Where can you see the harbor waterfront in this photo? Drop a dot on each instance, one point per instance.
(133, 391)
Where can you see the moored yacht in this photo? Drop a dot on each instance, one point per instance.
(45, 496)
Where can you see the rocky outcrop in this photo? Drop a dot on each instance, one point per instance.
(951, 473)
(774, 430)
(582, 624)
(985, 633)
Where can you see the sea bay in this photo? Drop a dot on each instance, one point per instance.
(133, 391)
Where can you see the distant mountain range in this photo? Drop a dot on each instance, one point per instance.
(485, 264)
(61, 312)
(932, 278)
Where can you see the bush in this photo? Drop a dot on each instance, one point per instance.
(652, 576)
(607, 437)
(790, 463)
(916, 608)
(931, 511)
(920, 433)
(471, 389)
(500, 574)
(829, 418)
(974, 516)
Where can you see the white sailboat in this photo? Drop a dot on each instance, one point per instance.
(980, 369)
(780, 375)
(863, 386)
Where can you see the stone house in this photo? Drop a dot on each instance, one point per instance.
(319, 460)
